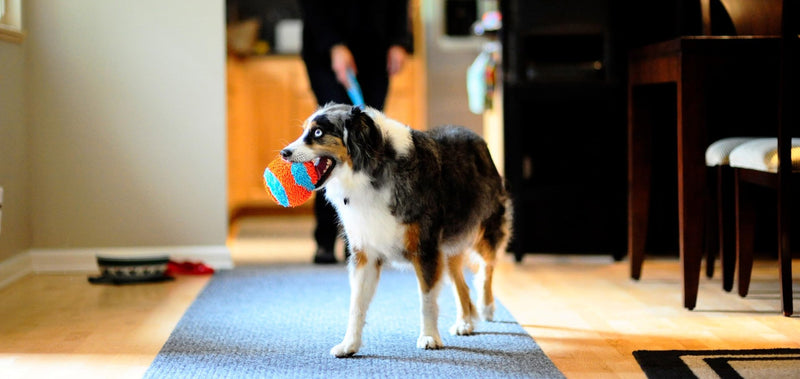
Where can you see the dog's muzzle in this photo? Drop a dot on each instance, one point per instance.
(324, 165)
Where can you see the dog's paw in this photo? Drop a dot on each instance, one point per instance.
(461, 328)
(429, 342)
(344, 349)
(486, 312)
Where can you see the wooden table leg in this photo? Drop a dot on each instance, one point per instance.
(639, 171)
(691, 175)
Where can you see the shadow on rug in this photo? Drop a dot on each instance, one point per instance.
(281, 321)
(758, 363)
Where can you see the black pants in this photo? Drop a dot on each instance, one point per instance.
(374, 84)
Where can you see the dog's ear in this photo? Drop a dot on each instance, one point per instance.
(364, 139)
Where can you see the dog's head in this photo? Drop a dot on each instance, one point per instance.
(337, 137)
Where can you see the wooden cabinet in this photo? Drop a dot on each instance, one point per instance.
(564, 126)
(269, 97)
(405, 101)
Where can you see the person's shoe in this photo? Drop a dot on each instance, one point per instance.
(324, 256)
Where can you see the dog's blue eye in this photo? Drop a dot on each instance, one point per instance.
(318, 133)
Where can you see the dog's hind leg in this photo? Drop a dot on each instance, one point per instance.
(483, 284)
(493, 240)
(364, 277)
(466, 313)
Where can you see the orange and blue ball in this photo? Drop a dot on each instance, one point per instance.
(290, 184)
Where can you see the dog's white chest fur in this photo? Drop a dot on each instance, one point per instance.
(365, 215)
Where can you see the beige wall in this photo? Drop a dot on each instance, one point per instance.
(15, 232)
(447, 61)
(125, 125)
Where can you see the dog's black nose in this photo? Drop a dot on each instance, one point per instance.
(286, 153)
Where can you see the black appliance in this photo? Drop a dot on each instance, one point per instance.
(564, 90)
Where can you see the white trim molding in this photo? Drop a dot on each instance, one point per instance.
(14, 268)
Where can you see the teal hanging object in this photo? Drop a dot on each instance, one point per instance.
(354, 90)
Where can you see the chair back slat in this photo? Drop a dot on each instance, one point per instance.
(749, 17)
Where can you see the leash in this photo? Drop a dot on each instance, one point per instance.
(354, 90)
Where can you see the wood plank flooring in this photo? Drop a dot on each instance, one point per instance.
(60, 326)
(582, 310)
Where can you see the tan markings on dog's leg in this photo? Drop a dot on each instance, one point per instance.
(485, 249)
(363, 281)
(427, 274)
(465, 310)
(361, 259)
(411, 242)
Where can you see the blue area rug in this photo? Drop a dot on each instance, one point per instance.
(281, 321)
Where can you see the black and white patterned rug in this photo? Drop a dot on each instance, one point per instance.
(757, 363)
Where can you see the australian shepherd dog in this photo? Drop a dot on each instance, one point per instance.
(433, 199)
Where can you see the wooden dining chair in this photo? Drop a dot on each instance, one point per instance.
(741, 18)
(739, 38)
(772, 162)
(720, 230)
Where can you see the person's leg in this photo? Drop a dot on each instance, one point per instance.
(374, 86)
(326, 230)
(325, 86)
(326, 89)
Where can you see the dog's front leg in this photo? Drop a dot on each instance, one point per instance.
(363, 281)
(429, 274)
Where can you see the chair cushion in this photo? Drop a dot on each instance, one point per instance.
(718, 152)
(762, 154)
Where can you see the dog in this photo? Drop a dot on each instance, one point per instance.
(433, 199)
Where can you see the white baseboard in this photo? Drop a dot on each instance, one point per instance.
(85, 260)
(14, 268)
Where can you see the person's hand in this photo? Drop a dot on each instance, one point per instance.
(395, 59)
(341, 60)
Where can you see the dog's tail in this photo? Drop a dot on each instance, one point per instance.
(508, 223)
(508, 215)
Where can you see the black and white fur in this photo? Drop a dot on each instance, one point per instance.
(433, 199)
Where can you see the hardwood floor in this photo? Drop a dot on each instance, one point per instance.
(582, 310)
(62, 326)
